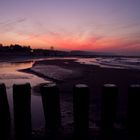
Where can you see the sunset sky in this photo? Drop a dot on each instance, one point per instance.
(91, 25)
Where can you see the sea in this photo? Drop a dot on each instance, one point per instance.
(113, 62)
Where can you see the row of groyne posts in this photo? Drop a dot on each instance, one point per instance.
(52, 111)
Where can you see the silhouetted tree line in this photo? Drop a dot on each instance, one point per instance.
(14, 48)
(49, 52)
(27, 50)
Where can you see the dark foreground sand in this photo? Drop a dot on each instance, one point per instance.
(95, 77)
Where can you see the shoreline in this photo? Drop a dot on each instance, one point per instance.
(28, 70)
(95, 77)
(71, 64)
(85, 73)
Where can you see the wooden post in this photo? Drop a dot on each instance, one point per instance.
(134, 110)
(108, 109)
(5, 120)
(51, 106)
(81, 109)
(22, 110)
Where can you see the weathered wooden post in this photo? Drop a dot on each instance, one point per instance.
(133, 122)
(51, 106)
(5, 121)
(22, 110)
(81, 109)
(108, 109)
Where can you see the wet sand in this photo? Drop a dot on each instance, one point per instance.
(95, 77)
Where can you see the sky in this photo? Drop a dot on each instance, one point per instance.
(90, 25)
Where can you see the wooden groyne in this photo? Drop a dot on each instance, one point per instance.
(52, 112)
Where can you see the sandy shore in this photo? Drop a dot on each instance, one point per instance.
(94, 77)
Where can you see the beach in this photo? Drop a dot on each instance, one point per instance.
(94, 76)
(67, 72)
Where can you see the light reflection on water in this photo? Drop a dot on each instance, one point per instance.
(10, 75)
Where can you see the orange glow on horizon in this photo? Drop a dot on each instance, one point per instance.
(74, 42)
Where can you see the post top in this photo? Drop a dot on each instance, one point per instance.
(49, 85)
(135, 86)
(1, 84)
(81, 86)
(22, 84)
(110, 85)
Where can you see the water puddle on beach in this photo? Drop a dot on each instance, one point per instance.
(10, 75)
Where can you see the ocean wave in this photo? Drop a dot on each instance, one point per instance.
(114, 62)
